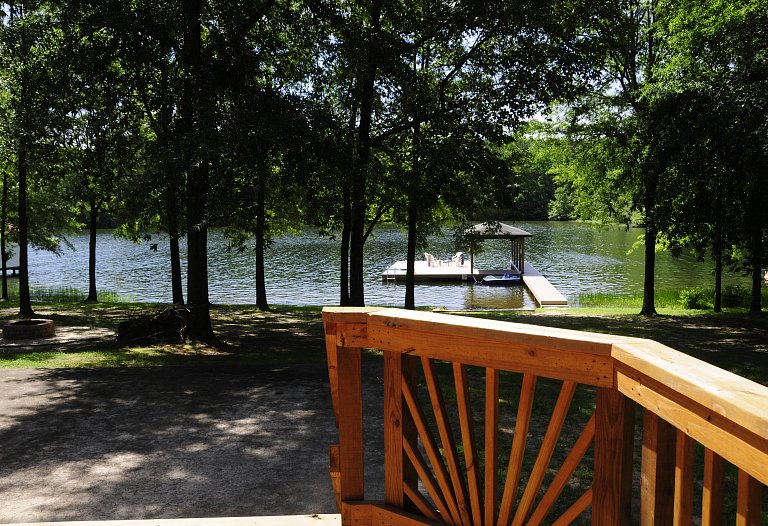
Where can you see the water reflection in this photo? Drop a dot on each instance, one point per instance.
(304, 269)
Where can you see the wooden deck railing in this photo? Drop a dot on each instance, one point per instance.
(443, 464)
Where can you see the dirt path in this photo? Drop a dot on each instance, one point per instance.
(167, 442)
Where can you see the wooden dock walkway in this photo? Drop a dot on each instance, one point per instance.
(542, 290)
(545, 294)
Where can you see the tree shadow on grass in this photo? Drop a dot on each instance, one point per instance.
(246, 336)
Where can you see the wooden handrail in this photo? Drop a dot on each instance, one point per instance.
(685, 401)
(723, 411)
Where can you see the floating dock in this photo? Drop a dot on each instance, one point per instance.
(541, 289)
(438, 271)
(12, 265)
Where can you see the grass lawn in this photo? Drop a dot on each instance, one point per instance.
(247, 336)
(735, 341)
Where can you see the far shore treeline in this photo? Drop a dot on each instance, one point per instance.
(167, 117)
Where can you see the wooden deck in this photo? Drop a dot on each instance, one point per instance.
(542, 290)
(285, 520)
(687, 405)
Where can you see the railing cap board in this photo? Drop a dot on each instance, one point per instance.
(496, 330)
(736, 398)
(348, 314)
(555, 353)
(332, 315)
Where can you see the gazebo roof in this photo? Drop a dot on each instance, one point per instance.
(498, 231)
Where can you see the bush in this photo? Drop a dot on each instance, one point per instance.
(735, 296)
(696, 298)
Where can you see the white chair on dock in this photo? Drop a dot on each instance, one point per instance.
(458, 259)
(430, 259)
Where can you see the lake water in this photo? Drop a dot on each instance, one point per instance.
(304, 269)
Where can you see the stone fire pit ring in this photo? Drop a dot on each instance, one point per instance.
(29, 329)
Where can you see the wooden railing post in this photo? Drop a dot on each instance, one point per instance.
(614, 437)
(345, 336)
(684, 458)
(657, 476)
(748, 500)
(350, 401)
(394, 492)
(332, 359)
(398, 426)
(712, 489)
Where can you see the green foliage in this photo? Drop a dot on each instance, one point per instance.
(651, 113)
(534, 187)
(711, 103)
(696, 298)
(664, 298)
(34, 111)
(735, 296)
(465, 239)
(585, 174)
(562, 207)
(63, 294)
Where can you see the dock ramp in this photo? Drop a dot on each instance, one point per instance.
(542, 290)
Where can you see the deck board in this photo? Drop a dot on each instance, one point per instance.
(282, 520)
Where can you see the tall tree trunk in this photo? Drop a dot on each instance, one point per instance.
(344, 251)
(3, 240)
(651, 233)
(261, 224)
(410, 273)
(346, 229)
(649, 305)
(172, 178)
(756, 249)
(717, 253)
(4, 211)
(173, 235)
(413, 215)
(197, 183)
(93, 216)
(357, 226)
(360, 171)
(197, 255)
(25, 301)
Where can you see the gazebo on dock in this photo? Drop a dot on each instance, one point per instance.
(516, 236)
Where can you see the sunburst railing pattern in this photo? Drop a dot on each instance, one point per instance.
(468, 441)
(463, 489)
